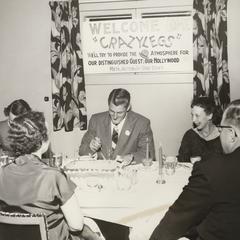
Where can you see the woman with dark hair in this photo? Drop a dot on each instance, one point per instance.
(204, 136)
(17, 108)
(29, 185)
(13, 110)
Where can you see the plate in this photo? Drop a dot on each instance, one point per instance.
(91, 165)
(92, 181)
(86, 158)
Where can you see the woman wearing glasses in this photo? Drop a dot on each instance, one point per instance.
(204, 136)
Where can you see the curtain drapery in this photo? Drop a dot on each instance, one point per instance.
(68, 85)
(210, 58)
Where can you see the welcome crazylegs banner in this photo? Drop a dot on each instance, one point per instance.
(139, 45)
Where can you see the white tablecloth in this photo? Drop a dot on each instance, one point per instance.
(141, 207)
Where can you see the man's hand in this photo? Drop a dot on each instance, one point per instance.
(125, 160)
(95, 144)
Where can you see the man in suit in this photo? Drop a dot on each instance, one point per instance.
(210, 202)
(118, 132)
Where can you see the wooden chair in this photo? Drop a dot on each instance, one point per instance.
(23, 226)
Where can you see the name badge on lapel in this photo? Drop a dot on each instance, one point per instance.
(127, 132)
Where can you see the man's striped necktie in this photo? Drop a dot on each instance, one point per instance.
(114, 137)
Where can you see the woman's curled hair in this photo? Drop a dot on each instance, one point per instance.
(27, 133)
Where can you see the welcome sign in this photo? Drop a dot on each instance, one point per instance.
(139, 45)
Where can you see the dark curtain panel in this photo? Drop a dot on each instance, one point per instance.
(210, 58)
(68, 85)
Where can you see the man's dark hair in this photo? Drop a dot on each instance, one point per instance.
(119, 96)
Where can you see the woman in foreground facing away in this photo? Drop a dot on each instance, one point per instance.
(204, 136)
(29, 185)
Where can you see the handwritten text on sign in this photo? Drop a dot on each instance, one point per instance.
(142, 45)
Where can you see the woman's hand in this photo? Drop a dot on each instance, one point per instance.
(88, 234)
(93, 227)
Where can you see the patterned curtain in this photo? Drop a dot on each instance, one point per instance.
(210, 58)
(68, 85)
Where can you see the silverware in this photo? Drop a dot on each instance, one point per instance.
(101, 153)
(184, 165)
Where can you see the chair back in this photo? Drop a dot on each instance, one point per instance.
(23, 226)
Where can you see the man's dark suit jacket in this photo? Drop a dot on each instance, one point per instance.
(132, 140)
(210, 201)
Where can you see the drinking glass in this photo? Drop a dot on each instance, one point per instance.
(123, 179)
(56, 161)
(134, 176)
(147, 162)
(170, 165)
(3, 160)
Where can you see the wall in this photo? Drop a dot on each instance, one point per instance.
(234, 48)
(25, 73)
(24, 53)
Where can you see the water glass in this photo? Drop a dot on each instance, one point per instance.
(123, 179)
(170, 165)
(147, 162)
(3, 160)
(56, 160)
(134, 176)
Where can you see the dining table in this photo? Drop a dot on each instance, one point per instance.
(132, 196)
